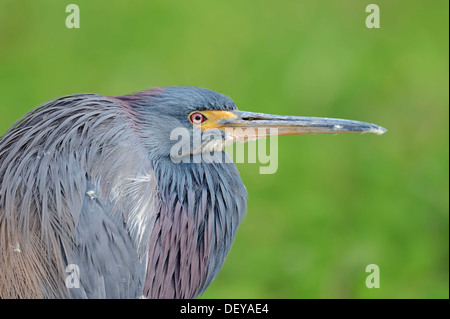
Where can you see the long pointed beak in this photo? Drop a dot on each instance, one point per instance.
(271, 125)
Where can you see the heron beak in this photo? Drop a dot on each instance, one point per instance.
(270, 125)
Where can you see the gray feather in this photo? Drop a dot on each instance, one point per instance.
(46, 161)
(87, 179)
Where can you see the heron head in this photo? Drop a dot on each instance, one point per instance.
(175, 118)
(183, 121)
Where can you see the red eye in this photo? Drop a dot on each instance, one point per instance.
(197, 118)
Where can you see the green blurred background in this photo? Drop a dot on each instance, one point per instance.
(336, 203)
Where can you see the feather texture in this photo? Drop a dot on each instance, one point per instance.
(87, 180)
(49, 160)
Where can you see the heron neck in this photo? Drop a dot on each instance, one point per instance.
(200, 208)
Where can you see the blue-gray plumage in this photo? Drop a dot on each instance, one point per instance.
(90, 180)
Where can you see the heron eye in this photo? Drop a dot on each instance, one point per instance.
(197, 118)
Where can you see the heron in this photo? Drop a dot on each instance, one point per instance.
(94, 202)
